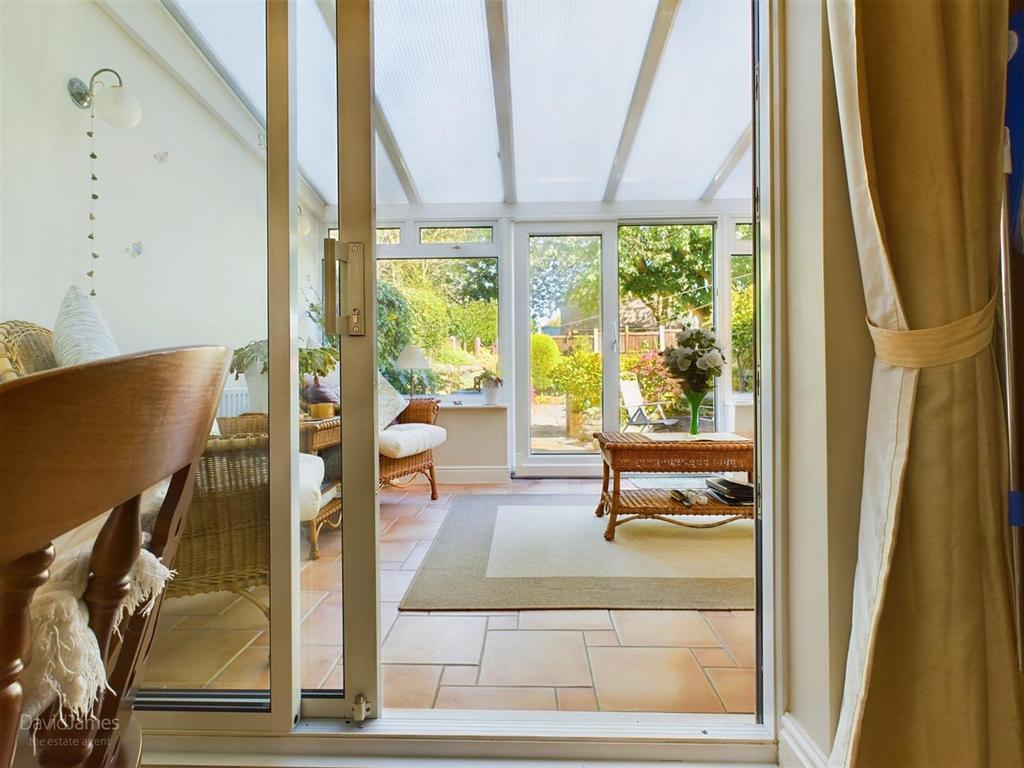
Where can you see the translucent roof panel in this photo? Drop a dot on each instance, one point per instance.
(233, 33)
(699, 105)
(316, 78)
(573, 69)
(738, 185)
(433, 85)
(388, 187)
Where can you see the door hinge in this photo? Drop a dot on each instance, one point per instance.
(360, 708)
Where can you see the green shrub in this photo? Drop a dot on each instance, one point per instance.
(544, 356)
(474, 320)
(578, 375)
(448, 356)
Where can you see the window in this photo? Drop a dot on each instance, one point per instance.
(389, 236)
(448, 308)
(741, 288)
(456, 235)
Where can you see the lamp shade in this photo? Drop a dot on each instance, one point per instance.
(117, 106)
(412, 358)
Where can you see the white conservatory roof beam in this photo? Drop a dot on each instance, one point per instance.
(497, 37)
(329, 13)
(390, 144)
(660, 28)
(736, 154)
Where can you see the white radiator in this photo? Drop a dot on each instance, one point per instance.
(233, 401)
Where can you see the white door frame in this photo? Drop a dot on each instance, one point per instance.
(562, 465)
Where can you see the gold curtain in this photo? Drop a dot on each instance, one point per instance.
(932, 671)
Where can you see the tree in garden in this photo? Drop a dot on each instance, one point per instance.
(394, 331)
(564, 270)
(669, 268)
(544, 356)
(474, 320)
(742, 352)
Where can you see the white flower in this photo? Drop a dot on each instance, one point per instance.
(702, 363)
(684, 335)
(683, 352)
(714, 359)
(682, 363)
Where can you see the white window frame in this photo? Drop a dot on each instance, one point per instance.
(409, 248)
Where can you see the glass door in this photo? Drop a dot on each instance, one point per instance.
(566, 341)
(347, 308)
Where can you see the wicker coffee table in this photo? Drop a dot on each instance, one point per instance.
(641, 453)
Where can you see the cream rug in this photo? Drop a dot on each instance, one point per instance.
(545, 551)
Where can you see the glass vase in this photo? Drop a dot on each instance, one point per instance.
(695, 397)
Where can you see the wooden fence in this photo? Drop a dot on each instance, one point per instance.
(629, 341)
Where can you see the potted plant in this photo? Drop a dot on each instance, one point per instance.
(489, 382)
(696, 361)
(252, 361)
(317, 362)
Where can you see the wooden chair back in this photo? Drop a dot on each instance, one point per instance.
(74, 443)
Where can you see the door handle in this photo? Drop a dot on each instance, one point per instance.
(352, 315)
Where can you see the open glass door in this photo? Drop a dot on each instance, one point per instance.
(344, 310)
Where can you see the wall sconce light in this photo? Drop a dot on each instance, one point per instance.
(114, 103)
(118, 108)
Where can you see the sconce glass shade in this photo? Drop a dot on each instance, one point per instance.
(117, 106)
(412, 358)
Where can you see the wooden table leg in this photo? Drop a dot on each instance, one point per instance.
(609, 533)
(604, 488)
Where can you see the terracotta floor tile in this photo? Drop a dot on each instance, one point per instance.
(250, 670)
(564, 620)
(207, 604)
(317, 662)
(329, 543)
(663, 628)
(322, 626)
(396, 551)
(577, 699)
(397, 511)
(435, 640)
(433, 514)
(411, 686)
(411, 529)
(242, 614)
(736, 688)
(322, 574)
(191, 658)
(394, 583)
(476, 697)
(461, 675)
(554, 658)
(503, 622)
(388, 614)
(335, 678)
(415, 560)
(737, 634)
(713, 657)
(651, 680)
(600, 638)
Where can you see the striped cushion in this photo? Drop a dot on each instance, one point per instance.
(80, 334)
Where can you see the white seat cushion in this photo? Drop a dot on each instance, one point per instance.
(401, 440)
(311, 476)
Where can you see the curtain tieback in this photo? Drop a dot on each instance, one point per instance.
(941, 345)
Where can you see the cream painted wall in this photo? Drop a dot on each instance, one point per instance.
(476, 450)
(827, 369)
(200, 215)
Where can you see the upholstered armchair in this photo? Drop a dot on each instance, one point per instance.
(406, 448)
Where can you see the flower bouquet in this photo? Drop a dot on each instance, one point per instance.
(695, 361)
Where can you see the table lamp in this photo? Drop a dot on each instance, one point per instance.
(412, 359)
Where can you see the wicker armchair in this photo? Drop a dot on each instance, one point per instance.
(24, 348)
(226, 545)
(421, 410)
